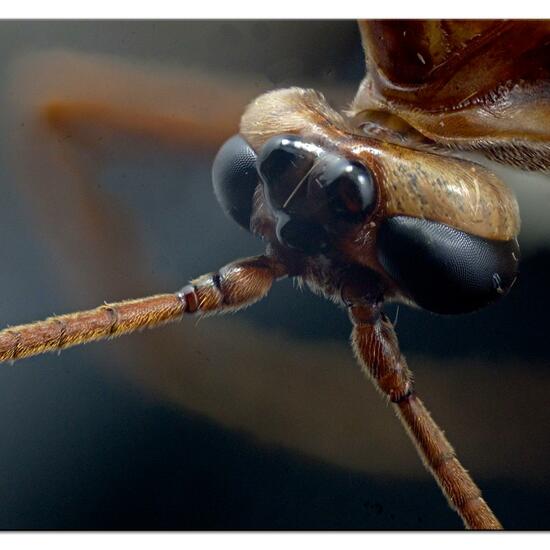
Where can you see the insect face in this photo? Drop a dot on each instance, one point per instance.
(437, 231)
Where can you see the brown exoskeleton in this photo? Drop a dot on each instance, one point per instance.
(368, 207)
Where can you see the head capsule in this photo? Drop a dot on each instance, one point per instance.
(439, 231)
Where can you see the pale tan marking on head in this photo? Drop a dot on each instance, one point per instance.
(412, 181)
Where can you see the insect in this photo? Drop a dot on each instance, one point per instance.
(348, 203)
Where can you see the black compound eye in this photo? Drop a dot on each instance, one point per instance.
(303, 235)
(282, 164)
(235, 178)
(349, 187)
(443, 269)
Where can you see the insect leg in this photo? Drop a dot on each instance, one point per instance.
(235, 286)
(377, 350)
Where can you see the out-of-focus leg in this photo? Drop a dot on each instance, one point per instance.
(69, 111)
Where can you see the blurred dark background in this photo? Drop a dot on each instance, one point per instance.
(256, 421)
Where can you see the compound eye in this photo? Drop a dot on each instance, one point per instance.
(282, 164)
(302, 235)
(350, 189)
(235, 178)
(443, 269)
